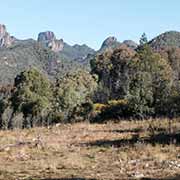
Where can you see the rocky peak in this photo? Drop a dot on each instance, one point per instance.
(109, 43)
(46, 36)
(2, 30)
(5, 39)
(110, 40)
(48, 39)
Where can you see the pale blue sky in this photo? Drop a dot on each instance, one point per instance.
(90, 21)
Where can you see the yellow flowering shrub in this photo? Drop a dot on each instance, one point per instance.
(98, 107)
(118, 102)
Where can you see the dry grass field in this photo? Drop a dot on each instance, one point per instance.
(83, 151)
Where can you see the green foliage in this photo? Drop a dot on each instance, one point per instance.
(172, 56)
(114, 109)
(35, 102)
(112, 69)
(73, 91)
(143, 39)
(143, 78)
(140, 95)
(172, 106)
(82, 112)
(5, 113)
(123, 83)
(32, 96)
(150, 83)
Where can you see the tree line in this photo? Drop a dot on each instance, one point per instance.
(123, 83)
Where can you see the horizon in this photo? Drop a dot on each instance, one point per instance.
(90, 23)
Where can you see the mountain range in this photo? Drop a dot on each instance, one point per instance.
(56, 57)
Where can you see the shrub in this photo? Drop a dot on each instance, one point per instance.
(114, 109)
(82, 112)
(98, 107)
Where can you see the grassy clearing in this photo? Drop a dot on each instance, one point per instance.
(83, 151)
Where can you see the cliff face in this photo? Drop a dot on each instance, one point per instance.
(48, 39)
(5, 39)
(46, 36)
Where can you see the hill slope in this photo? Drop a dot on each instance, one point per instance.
(66, 51)
(45, 54)
(167, 39)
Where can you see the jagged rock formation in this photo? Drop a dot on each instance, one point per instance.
(54, 56)
(48, 39)
(50, 55)
(5, 39)
(112, 43)
(109, 43)
(66, 51)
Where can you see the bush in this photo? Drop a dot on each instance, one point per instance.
(114, 109)
(55, 118)
(82, 112)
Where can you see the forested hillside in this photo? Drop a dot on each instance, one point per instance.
(119, 81)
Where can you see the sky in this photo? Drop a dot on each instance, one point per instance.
(90, 21)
